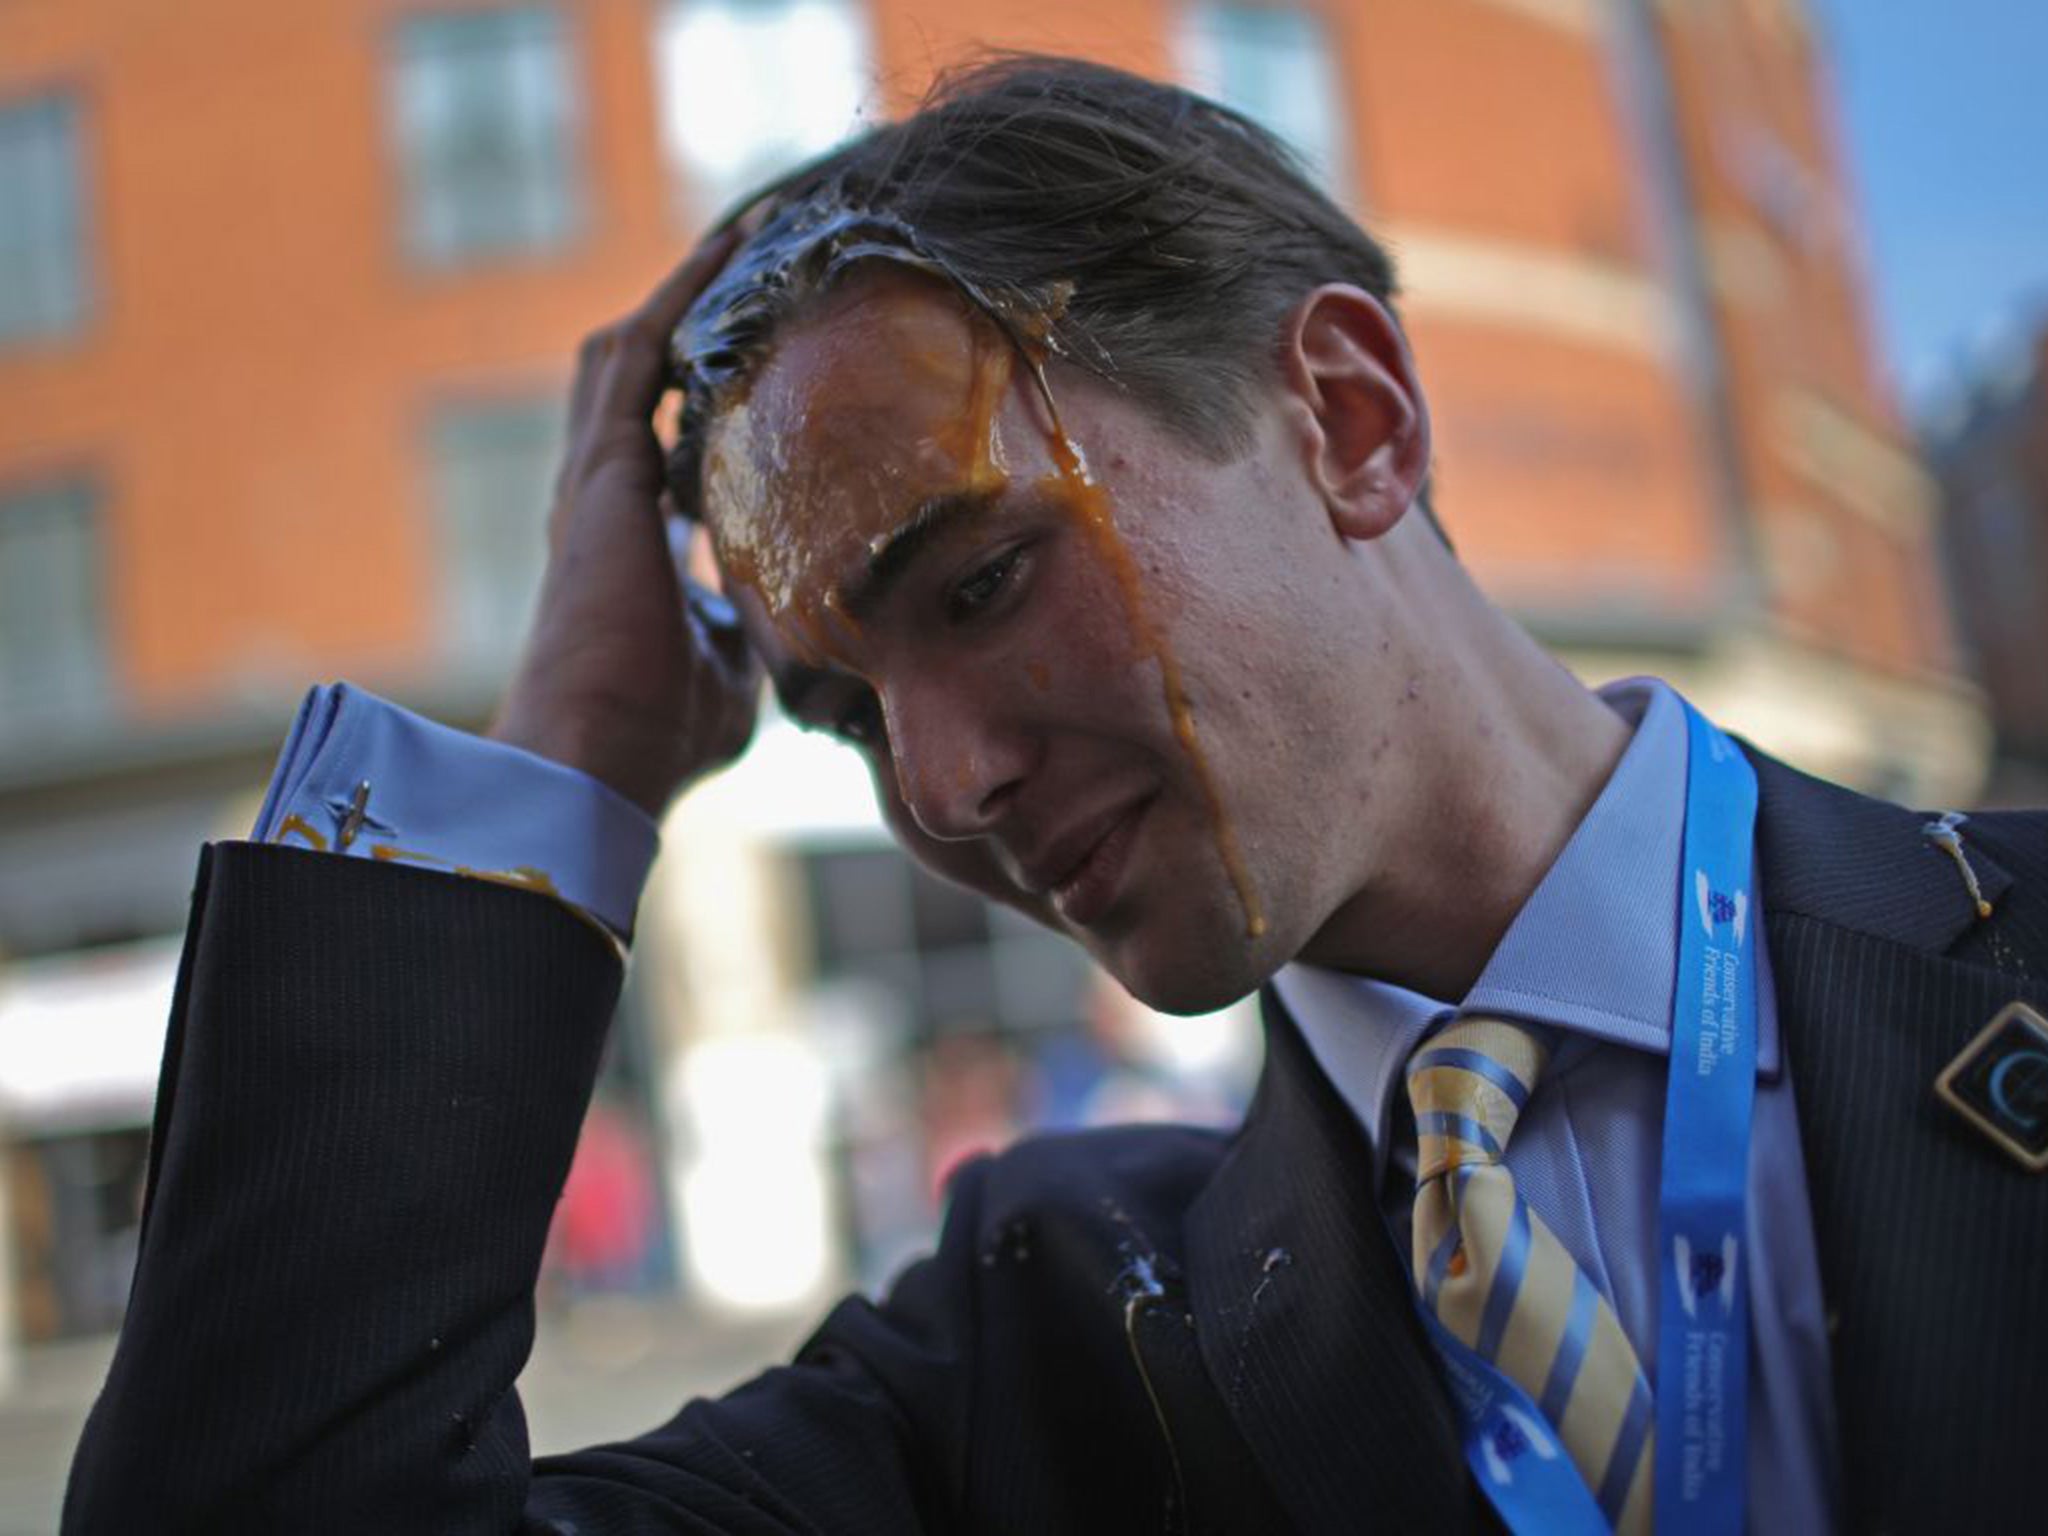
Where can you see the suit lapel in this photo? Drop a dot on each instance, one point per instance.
(1302, 1306)
(1922, 1230)
(1305, 1322)
(1862, 864)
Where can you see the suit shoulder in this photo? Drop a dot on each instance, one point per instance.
(2017, 839)
(1154, 1169)
(1030, 1230)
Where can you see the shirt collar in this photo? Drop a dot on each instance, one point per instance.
(1594, 949)
(1593, 952)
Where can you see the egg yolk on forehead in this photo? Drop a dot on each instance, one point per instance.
(812, 472)
(851, 428)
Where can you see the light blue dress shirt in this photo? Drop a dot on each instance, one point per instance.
(445, 799)
(1594, 954)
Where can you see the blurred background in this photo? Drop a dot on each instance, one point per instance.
(1730, 314)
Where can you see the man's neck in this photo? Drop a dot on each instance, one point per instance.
(1515, 755)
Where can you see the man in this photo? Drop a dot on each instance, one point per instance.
(1062, 451)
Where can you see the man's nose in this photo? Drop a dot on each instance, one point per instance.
(958, 764)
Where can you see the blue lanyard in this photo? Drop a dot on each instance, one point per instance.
(1703, 1307)
(1703, 1312)
(1512, 1449)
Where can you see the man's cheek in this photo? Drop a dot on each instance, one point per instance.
(970, 864)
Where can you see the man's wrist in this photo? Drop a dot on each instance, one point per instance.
(626, 762)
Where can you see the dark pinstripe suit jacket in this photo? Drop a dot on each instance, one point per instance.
(372, 1088)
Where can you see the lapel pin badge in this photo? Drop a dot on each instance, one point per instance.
(1999, 1083)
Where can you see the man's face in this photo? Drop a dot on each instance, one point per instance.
(1120, 703)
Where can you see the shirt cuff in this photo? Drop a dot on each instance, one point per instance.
(362, 777)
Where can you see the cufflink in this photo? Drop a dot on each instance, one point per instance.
(358, 813)
(1999, 1083)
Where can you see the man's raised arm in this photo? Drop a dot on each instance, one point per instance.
(375, 1072)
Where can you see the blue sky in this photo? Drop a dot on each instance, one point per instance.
(1944, 116)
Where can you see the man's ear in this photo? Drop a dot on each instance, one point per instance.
(1364, 425)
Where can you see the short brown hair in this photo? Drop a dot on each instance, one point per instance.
(1156, 237)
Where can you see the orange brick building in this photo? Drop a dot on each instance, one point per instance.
(288, 293)
(1631, 263)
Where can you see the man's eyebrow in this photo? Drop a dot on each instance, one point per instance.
(891, 556)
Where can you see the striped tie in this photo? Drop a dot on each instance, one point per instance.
(1499, 1280)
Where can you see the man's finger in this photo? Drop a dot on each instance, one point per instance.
(590, 361)
(664, 308)
(635, 373)
(637, 369)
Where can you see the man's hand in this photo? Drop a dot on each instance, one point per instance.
(622, 675)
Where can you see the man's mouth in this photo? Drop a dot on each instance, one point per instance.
(1090, 887)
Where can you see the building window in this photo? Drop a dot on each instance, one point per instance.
(750, 88)
(485, 120)
(1272, 63)
(53, 650)
(42, 245)
(493, 472)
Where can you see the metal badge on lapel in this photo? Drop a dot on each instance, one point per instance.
(2000, 1084)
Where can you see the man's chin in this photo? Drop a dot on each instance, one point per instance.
(1187, 982)
(1179, 978)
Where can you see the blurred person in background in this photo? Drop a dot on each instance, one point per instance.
(1105, 1072)
(1062, 451)
(969, 1093)
(604, 1218)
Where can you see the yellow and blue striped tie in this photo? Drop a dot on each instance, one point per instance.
(1499, 1280)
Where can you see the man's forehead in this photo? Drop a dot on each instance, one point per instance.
(878, 404)
(881, 327)
(841, 412)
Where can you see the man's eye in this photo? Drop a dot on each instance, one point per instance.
(978, 591)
